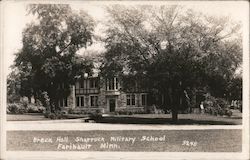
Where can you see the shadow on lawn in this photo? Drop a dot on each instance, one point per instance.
(138, 120)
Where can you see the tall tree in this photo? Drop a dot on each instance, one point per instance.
(48, 56)
(172, 48)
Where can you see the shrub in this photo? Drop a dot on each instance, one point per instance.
(16, 108)
(56, 115)
(229, 113)
(97, 115)
(13, 108)
(70, 111)
(222, 103)
(151, 109)
(32, 108)
(46, 114)
(24, 103)
(41, 109)
(217, 106)
(130, 111)
(52, 116)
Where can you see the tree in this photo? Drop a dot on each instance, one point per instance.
(172, 48)
(234, 89)
(48, 57)
(13, 86)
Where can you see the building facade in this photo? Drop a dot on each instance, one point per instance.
(105, 95)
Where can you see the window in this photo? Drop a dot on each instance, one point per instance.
(80, 101)
(112, 84)
(93, 101)
(93, 83)
(63, 102)
(116, 83)
(61, 86)
(81, 84)
(130, 99)
(77, 101)
(144, 99)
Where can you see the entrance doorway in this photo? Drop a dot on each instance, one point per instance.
(112, 104)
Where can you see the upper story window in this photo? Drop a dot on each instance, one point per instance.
(130, 99)
(61, 86)
(93, 83)
(112, 84)
(82, 83)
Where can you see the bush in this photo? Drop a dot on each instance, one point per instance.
(46, 114)
(41, 109)
(32, 108)
(52, 116)
(12, 108)
(57, 115)
(97, 115)
(217, 106)
(24, 103)
(16, 108)
(151, 109)
(130, 111)
(70, 111)
(24, 107)
(229, 113)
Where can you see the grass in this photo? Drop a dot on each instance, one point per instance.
(26, 117)
(183, 119)
(38, 117)
(218, 140)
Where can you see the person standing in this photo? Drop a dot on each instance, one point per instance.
(202, 107)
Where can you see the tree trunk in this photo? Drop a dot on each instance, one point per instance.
(35, 98)
(29, 99)
(174, 110)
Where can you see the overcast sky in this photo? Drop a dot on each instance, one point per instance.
(15, 17)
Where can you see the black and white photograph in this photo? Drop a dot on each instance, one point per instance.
(124, 80)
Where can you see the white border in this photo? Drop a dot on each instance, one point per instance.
(130, 155)
(3, 87)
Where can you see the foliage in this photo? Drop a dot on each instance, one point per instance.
(24, 107)
(97, 115)
(32, 108)
(130, 111)
(13, 108)
(13, 88)
(48, 57)
(55, 115)
(217, 106)
(234, 88)
(172, 49)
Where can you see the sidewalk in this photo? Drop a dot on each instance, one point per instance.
(78, 124)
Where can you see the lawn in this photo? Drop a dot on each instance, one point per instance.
(37, 117)
(184, 119)
(26, 117)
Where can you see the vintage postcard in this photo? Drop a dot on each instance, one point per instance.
(124, 80)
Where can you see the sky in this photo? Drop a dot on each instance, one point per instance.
(15, 18)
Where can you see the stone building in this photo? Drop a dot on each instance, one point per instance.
(106, 95)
